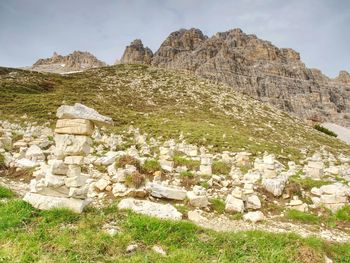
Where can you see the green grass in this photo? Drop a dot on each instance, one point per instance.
(325, 130)
(307, 183)
(187, 174)
(2, 161)
(304, 217)
(343, 213)
(218, 205)
(150, 166)
(221, 168)
(59, 235)
(5, 192)
(182, 161)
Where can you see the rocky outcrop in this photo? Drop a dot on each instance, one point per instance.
(257, 68)
(137, 53)
(343, 77)
(77, 61)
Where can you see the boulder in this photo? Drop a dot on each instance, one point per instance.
(197, 200)
(74, 126)
(80, 111)
(163, 211)
(233, 204)
(73, 145)
(254, 217)
(44, 202)
(34, 153)
(162, 191)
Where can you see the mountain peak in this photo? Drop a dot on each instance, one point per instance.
(76, 61)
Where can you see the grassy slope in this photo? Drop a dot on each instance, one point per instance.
(29, 235)
(163, 103)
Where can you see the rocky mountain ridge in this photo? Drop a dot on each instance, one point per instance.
(254, 67)
(75, 61)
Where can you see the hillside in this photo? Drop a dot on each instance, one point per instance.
(208, 173)
(164, 103)
(254, 67)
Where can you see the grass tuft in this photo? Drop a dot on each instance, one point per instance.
(301, 216)
(6, 193)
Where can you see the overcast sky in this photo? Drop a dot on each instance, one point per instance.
(32, 29)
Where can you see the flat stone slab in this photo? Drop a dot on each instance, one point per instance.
(163, 211)
(80, 111)
(163, 191)
(44, 202)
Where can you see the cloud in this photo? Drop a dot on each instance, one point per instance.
(318, 29)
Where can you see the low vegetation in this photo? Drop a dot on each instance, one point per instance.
(135, 179)
(58, 235)
(150, 99)
(221, 168)
(218, 205)
(339, 218)
(150, 166)
(183, 161)
(307, 183)
(124, 160)
(5, 192)
(325, 130)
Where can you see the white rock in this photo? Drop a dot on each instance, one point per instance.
(72, 144)
(58, 167)
(25, 163)
(102, 184)
(78, 160)
(159, 250)
(75, 181)
(233, 204)
(80, 111)
(34, 153)
(162, 191)
(164, 211)
(74, 126)
(253, 202)
(274, 186)
(48, 202)
(254, 217)
(197, 200)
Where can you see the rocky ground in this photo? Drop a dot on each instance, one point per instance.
(172, 179)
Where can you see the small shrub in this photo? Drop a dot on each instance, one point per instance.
(205, 185)
(127, 159)
(343, 213)
(150, 166)
(236, 216)
(218, 205)
(221, 168)
(2, 162)
(301, 216)
(135, 179)
(325, 130)
(187, 179)
(5, 192)
(182, 161)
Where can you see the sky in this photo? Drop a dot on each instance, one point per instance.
(31, 29)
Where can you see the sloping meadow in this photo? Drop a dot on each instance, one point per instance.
(163, 103)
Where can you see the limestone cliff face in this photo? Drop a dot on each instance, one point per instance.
(76, 61)
(257, 68)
